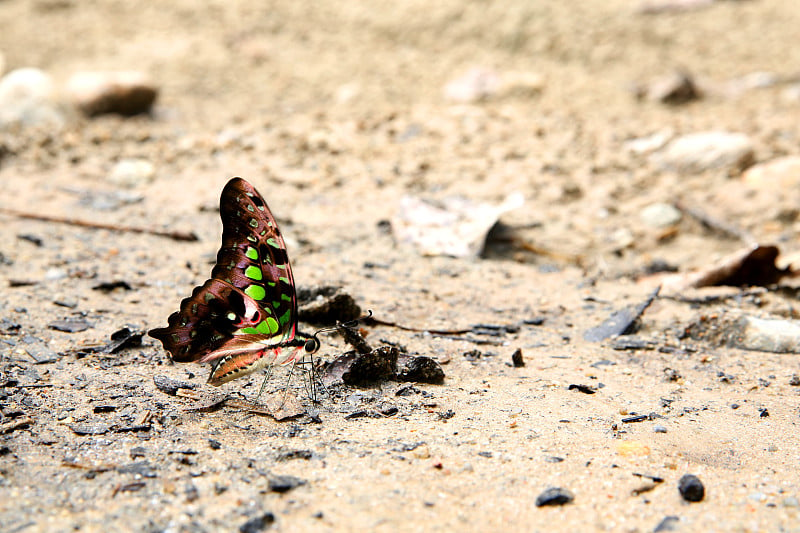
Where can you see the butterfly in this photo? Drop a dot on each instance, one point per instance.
(244, 318)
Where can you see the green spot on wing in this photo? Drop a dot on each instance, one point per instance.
(286, 317)
(272, 324)
(254, 273)
(256, 292)
(285, 297)
(261, 329)
(253, 223)
(272, 242)
(251, 253)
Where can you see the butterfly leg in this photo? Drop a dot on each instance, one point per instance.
(310, 381)
(267, 375)
(288, 382)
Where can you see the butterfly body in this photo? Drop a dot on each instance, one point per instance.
(244, 318)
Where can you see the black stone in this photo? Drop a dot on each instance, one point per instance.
(554, 496)
(257, 524)
(691, 488)
(420, 369)
(283, 484)
(516, 358)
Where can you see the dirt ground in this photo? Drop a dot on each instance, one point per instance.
(334, 111)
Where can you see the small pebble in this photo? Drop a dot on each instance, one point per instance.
(132, 173)
(698, 152)
(554, 496)
(673, 89)
(767, 335)
(28, 97)
(660, 215)
(516, 358)
(659, 429)
(691, 488)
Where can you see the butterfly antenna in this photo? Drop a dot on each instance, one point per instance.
(349, 324)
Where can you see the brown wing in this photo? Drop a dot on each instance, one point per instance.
(251, 290)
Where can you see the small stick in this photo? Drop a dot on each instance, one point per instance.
(175, 235)
(712, 223)
(373, 320)
(577, 260)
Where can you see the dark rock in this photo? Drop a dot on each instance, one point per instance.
(691, 488)
(447, 415)
(257, 524)
(109, 286)
(586, 389)
(137, 452)
(516, 358)
(554, 496)
(142, 468)
(419, 369)
(362, 369)
(283, 484)
(170, 386)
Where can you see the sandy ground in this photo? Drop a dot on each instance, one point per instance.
(334, 112)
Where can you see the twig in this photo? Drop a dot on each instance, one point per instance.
(713, 224)
(175, 235)
(577, 260)
(714, 298)
(378, 321)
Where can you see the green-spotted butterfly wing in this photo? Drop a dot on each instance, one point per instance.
(243, 316)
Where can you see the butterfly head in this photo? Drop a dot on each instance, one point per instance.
(312, 344)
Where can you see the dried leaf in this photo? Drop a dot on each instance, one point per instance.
(456, 226)
(752, 266)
